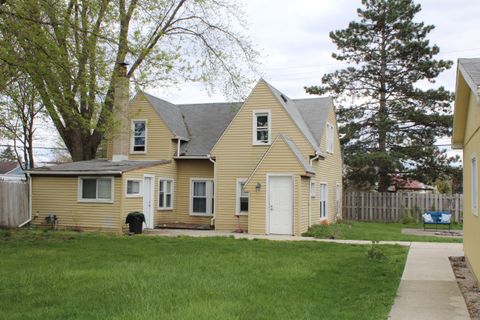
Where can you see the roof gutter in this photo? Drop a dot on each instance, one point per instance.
(74, 173)
(316, 156)
(193, 157)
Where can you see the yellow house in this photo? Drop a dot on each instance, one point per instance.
(466, 136)
(268, 165)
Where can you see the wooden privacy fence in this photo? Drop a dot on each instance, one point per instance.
(392, 207)
(13, 203)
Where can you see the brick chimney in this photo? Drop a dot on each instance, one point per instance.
(120, 113)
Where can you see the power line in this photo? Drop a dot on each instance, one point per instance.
(45, 148)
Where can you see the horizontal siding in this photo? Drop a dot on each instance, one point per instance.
(159, 137)
(136, 204)
(328, 170)
(471, 224)
(187, 169)
(237, 158)
(278, 160)
(58, 195)
(304, 204)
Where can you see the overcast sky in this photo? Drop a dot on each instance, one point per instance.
(293, 37)
(296, 49)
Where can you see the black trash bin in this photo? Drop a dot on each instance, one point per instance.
(135, 222)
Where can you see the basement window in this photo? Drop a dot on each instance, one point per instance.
(92, 189)
(139, 136)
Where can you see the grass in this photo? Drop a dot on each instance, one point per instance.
(60, 275)
(375, 231)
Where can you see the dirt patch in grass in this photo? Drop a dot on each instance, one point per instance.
(468, 286)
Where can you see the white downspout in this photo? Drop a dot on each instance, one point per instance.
(178, 147)
(317, 155)
(29, 201)
(212, 221)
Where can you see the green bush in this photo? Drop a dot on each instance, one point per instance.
(375, 253)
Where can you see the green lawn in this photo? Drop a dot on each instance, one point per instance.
(58, 275)
(376, 231)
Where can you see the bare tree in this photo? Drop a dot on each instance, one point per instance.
(20, 111)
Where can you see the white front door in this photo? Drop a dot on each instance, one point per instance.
(280, 206)
(148, 201)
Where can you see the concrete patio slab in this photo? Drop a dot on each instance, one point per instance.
(428, 289)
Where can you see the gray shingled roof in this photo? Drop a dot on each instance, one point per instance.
(206, 123)
(99, 166)
(170, 114)
(203, 124)
(292, 110)
(298, 154)
(315, 113)
(470, 69)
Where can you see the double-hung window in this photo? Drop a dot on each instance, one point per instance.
(165, 194)
(474, 182)
(242, 197)
(261, 127)
(95, 189)
(134, 188)
(201, 197)
(139, 136)
(329, 136)
(323, 200)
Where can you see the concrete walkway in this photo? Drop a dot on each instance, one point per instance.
(215, 233)
(428, 289)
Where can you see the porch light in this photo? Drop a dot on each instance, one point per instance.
(258, 187)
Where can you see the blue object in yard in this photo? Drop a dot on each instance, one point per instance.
(436, 218)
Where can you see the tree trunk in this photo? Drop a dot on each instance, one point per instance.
(383, 172)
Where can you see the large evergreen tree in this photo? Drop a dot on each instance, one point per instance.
(388, 124)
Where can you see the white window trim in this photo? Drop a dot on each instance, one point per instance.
(254, 127)
(160, 179)
(237, 198)
(209, 197)
(132, 139)
(134, 195)
(474, 184)
(313, 189)
(329, 138)
(326, 199)
(80, 185)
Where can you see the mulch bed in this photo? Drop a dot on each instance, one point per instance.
(468, 286)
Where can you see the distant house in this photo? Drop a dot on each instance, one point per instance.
(400, 184)
(466, 136)
(10, 170)
(269, 165)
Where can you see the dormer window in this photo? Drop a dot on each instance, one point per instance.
(261, 127)
(139, 136)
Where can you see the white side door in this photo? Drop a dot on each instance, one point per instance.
(280, 206)
(148, 201)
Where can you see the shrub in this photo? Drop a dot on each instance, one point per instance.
(375, 253)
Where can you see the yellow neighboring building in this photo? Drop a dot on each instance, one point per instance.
(466, 136)
(269, 165)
